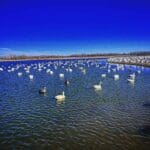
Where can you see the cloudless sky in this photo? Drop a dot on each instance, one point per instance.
(74, 26)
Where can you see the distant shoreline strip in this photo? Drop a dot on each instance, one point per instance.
(56, 58)
(131, 60)
(111, 59)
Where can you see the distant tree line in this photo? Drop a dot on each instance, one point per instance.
(105, 55)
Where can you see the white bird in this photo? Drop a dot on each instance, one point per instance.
(114, 70)
(19, 73)
(84, 71)
(139, 71)
(60, 97)
(131, 80)
(31, 77)
(27, 71)
(51, 72)
(1, 69)
(48, 71)
(55, 67)
(12, 69)
(61, 75)
(98, 86)
(39, 69)
(116, 76)
(103, 75)
(132, 76)
(70, 70)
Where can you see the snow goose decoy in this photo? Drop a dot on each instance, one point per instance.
(31, 77)
(103, 75)
(60, 97)
(19, 74)
(98, 86)
(61, 75)
(116, 77)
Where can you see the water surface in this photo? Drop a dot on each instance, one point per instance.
(86, 119)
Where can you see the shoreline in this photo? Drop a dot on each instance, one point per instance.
(131, 60)
(111, 59)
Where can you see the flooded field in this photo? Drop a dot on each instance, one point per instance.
(106, 106)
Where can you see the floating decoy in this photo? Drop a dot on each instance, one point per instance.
(131, 78)
(108, 70)
(61, 75)
(19, 73)
(43, 90)
(67, 82)
(1, 69)
(116, 77)
(98, 86)
(51, 72)
(84, 71)
(60, 97)
(48, 71)
(31, 77)
(103, 75)
(139, 71)
(70, 70)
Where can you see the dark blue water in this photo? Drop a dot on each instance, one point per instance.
(86, 119)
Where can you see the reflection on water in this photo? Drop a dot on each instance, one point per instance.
(87, 119)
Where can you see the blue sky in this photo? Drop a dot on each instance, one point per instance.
(74, 26)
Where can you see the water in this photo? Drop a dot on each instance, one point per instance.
(86, 119)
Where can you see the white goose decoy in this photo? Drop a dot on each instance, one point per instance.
(19, 74)
(67, 69)
(103, 75)
(61, 75)
(84, 71)
(139, 71)
(60, 97)
(51, 72)
(31, 77)
(114, 70)
(55, 67)
(27, 71)
(116, 76)
(131, 80)
(1, 69)
(108, 70)
(12, 69)
(48, 71)
(70, 70)
(132, 76)
(98, 86)
(39, 69)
